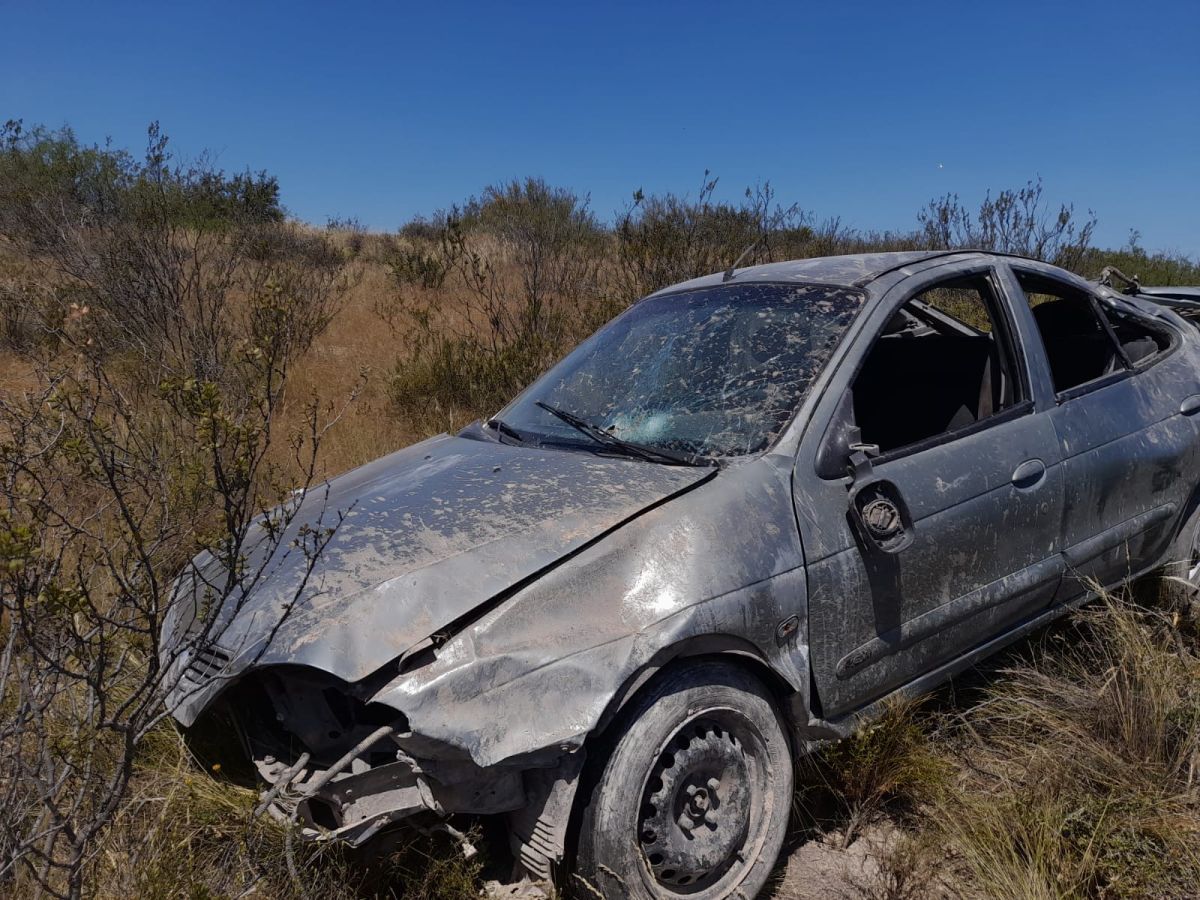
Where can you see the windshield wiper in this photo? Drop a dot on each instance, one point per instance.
(629, 448)
(507, 430)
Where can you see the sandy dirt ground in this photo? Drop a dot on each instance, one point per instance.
(813, 868)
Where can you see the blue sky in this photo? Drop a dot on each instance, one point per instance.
(861, 110)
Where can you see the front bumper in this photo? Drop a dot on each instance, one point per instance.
(355, 804)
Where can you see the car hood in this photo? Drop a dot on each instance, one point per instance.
(428, 534)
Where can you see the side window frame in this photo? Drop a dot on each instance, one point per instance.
(1008, 337)
(1150, 323)
(1067, 290)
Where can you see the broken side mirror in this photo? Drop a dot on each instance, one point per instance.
(877, 510)
(839, 435)
(858, 462)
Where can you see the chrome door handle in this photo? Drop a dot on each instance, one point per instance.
(1190, 405)
(1029, 473)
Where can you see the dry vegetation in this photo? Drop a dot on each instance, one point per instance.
(176, 356)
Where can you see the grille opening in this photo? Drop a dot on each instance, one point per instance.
(286, 711)
(207, 662)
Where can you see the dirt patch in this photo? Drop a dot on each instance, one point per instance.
(875, 865)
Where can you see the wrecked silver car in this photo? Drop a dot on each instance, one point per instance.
(727, 526)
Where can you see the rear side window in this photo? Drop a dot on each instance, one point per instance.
(1079, 342)
(1140, 339)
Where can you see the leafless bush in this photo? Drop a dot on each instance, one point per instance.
(664, 239)
(1014, 221)
(147, 438)
(25, 301)
(104, 499)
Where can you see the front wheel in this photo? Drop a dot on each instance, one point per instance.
(693, 799)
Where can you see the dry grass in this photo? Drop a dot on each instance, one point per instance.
(889, 765)
(907, 867)
(1083, 765)
(1075, 774)
(188, 833)
(355, 353)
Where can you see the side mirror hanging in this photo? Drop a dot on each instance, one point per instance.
(858, 463)
(877, 512)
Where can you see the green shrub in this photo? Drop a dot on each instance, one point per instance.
(43, 172)
(426, 262)
(1159, 268)
(665, 238)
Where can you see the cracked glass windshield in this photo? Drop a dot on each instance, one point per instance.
(714, 372)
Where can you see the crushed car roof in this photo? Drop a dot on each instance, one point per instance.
(852, 270)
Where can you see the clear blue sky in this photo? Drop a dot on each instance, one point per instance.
(863, 110)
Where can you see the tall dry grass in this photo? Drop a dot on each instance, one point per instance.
(1073, 772)
(1084, 764)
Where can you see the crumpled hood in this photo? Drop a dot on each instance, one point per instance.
(430, 533)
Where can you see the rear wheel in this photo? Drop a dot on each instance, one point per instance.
(693, 799)
(1181, 586)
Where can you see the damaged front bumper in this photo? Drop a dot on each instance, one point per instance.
(340, 766)
(353, 801)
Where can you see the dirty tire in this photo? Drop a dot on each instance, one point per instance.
(693, 798)
(1181, 573)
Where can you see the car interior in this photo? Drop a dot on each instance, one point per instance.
(942, 352)
(941, 364)
(1138, 340)
(1081, 342)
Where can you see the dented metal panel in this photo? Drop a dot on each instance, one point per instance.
(431, 532)
(670, 579)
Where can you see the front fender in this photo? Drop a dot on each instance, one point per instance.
(533, 677)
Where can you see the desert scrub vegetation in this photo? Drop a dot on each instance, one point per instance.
(177, 357)
(507, 283)
(143, 433)
(486, 295)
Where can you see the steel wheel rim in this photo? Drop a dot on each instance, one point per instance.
(701, 820)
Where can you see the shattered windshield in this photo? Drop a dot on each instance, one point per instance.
(714, 372)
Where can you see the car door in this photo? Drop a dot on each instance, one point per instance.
(920, 549)
(1123, 414)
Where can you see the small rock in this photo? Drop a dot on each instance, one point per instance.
(518, 890)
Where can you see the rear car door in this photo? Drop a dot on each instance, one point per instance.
(1123, 414)
(944, 532)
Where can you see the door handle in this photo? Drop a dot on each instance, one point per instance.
(1190, 405)
(1029, 473)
